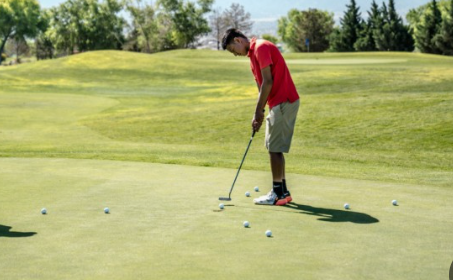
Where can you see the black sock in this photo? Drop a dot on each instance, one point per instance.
(285, 190)
(278, 189)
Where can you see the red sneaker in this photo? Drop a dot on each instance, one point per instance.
(280, 202)
(288, 197)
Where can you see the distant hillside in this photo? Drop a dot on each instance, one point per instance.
(265, 27)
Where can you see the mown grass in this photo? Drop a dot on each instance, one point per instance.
(165, 224)
(385, 118)
(376, 116)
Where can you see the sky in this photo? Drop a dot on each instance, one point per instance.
(271, 10)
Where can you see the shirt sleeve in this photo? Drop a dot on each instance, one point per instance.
(263, 56)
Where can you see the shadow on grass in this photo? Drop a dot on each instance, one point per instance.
(333, 215)
(5, 232)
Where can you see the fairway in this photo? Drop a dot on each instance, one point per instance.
(157, 139)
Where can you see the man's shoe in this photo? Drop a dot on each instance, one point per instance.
(288, 197)
(270, 199)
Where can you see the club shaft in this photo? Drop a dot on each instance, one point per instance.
(240, 166)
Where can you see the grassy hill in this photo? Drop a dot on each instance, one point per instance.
(377, 116)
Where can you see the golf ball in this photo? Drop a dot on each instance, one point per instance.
(346, 206)
(394, 202)
(247, 194)
(106, 210)
(221, 206)
(246, 224)
(44, 211)
(268, 233)
(257, 189)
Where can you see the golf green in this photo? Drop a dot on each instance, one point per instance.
(165, 224)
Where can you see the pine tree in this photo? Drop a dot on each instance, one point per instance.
(428, 28)
(444, 39)
(351, 26)
(381, 33)
(390, 33)
(366, 41)
(399, 37)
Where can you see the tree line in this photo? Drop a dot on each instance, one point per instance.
(84, 25)
(430, 29)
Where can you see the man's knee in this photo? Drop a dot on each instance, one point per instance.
(276, 155)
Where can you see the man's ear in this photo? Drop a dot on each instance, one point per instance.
(237, 40)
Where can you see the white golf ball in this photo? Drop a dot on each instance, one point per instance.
(346, 206)
(221, 206)
(106, 210)
(247, 194)
(257, 189)
(394, 202)
(246, 224)
(44, 211)
(268, 233)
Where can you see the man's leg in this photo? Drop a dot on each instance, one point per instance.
(277, 166)
(284, 172)
(285, 188)
(278, 171)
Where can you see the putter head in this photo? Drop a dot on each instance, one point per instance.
(225, 198)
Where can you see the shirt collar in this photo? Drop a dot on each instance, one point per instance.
(252, 47)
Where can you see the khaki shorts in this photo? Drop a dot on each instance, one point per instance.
(280, 127)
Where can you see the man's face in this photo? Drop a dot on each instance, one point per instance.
(238, 47)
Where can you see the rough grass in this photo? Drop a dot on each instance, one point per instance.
(389, 121)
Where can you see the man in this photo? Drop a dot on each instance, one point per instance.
(277, 89)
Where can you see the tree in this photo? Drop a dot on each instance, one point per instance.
(414, 16)
(349, 33)
(315, 25)
(151, 28)
(144, 22)
(18, 18)
(43, 44)
(366, 40)
(400, 36)
(44, 47)
(236, 17)
(62, 31)
(218, 25)
(444, 39)
(380, 33)
(86, 25)
(188, 20)
(270, 38)
(428, 28)
(105, 25)
(17, 45)
(390, 33)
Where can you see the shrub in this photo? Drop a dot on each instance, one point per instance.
(270, 38)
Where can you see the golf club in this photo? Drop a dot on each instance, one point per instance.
(237, 174)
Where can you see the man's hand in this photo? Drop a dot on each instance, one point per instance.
(257, 121)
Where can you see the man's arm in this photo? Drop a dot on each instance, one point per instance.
(265, 89)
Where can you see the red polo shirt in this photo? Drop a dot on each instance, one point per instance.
(263, 53)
